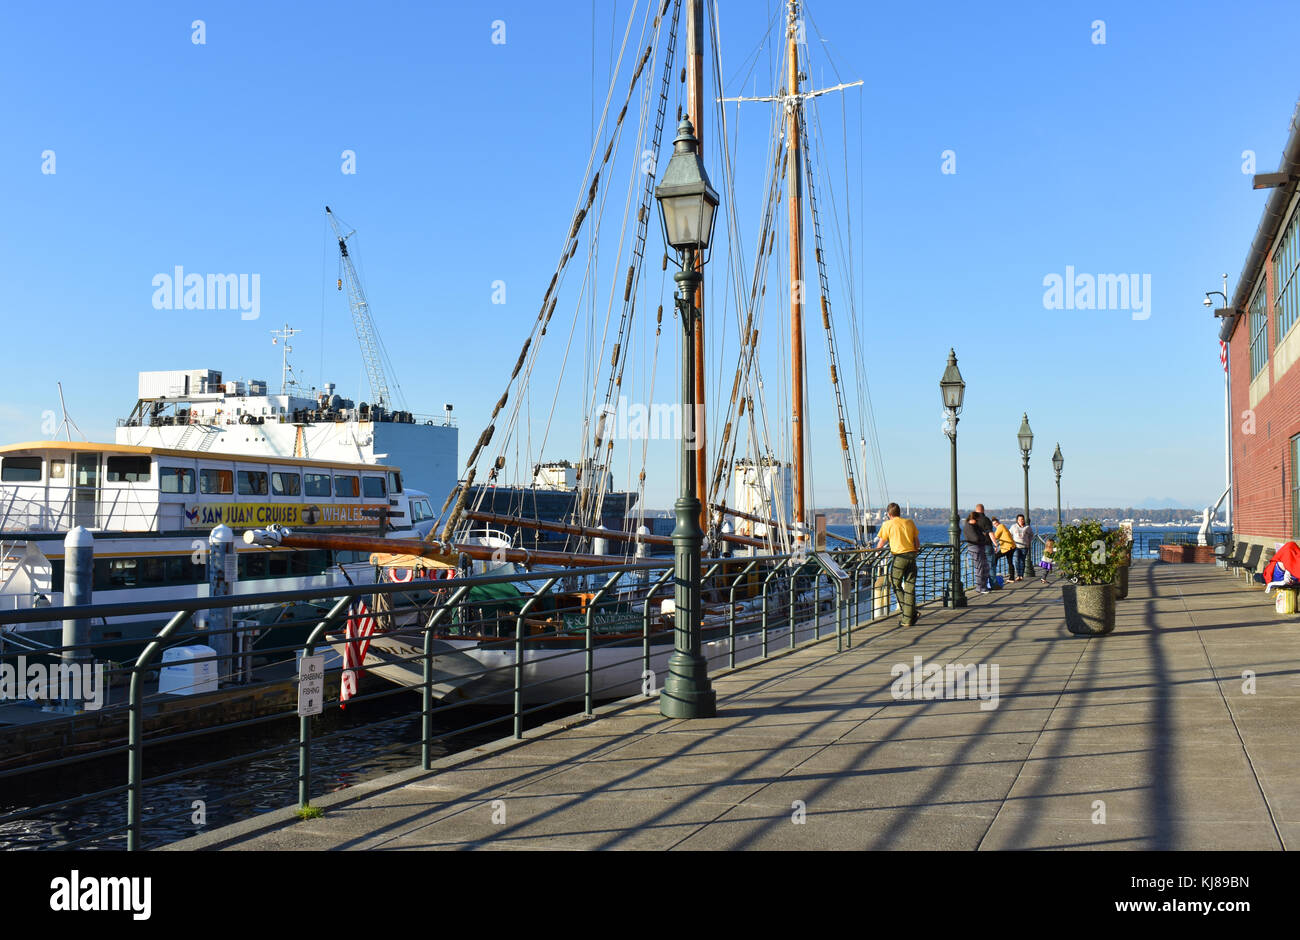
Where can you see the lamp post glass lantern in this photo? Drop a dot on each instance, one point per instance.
(953, 390)
(1058, 462)
(1026, 437)
(687, 211)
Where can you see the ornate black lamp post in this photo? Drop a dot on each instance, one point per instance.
(687, 206)
(1057, 463)
(954, 391)
(1026, 445)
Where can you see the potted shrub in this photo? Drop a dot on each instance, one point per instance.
(1090, 556)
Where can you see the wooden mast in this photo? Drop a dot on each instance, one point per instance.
(794, 184)
(695, 108)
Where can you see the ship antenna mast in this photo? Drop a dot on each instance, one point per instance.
(367, 335)
(282, 337)
(67, 424)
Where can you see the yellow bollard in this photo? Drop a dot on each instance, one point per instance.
(1286, 600)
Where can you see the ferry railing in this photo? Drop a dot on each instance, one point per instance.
(512, 695)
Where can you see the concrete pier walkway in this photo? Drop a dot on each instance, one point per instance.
(1148, 738)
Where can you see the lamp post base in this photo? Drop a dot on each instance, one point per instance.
(954, 597)
(687, 692)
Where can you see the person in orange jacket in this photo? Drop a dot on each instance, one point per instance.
(1006, 548)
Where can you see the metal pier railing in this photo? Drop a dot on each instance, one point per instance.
(517, 661)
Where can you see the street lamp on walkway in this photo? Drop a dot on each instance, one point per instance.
(1026, 445)
(1057, 463)
(687, 207)
(953, 389)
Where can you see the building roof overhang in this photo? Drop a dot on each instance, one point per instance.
(1266, 232)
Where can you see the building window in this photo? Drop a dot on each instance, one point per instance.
(1259, 331)
(1286, 286)
(1295, 488)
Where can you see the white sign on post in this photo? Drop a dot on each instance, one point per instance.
(311, 685)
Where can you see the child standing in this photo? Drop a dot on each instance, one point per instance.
(1049, 549)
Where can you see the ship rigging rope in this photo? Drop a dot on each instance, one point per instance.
(866, 415)
(748, 379)
(747, 355)
(823, 281)
(532, 344)
(590, 506)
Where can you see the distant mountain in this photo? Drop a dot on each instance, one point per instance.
(1166, 503)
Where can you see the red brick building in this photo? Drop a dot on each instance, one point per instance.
(1264, 365)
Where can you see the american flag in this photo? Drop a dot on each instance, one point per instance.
(360, 627)
(1223, 354)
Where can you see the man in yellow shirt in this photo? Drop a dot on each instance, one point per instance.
(904, 542)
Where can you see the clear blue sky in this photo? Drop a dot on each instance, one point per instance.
(1117, 158)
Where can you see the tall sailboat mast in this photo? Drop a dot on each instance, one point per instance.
(794, 185)
(695, 108)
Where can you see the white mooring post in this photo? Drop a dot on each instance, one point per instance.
(222, 575)
(78, 584)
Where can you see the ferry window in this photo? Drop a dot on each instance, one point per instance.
(127, 469)
(346, 486)
(316, 484)
(121, 572)
(277, 564)
(286, 484)
(373, 487)
(252, 482)
(308, 562)
(216, 481)
(21, 470)
(420, 510)
(150, 571)
(394, 481)
(182, 570)
(252, 565)
(57, 469)
(175, 480)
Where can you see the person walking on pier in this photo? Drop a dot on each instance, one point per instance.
(1006, 547)
(974, 538)
(1024, 535)
(904, 543)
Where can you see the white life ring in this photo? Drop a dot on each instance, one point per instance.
(401, 575)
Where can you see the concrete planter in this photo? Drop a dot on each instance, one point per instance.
(1121, 582)
(1089, 608)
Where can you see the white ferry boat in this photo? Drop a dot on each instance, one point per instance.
(197, 409)
(151, 509)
